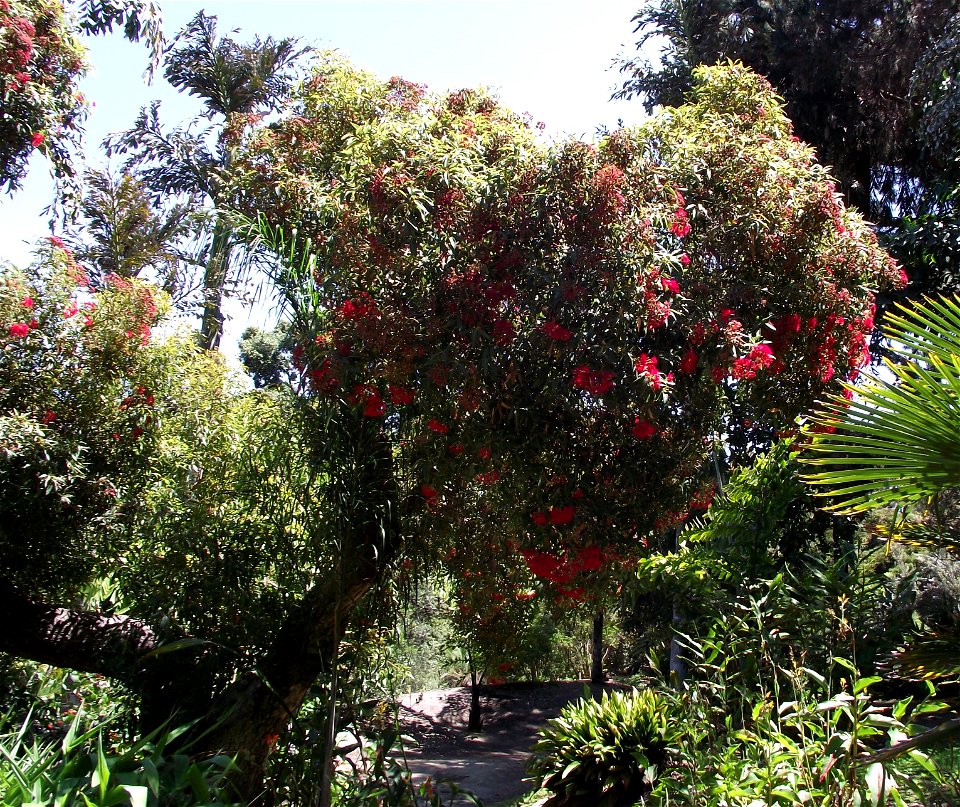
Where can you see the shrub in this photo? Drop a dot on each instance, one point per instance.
(606, 752)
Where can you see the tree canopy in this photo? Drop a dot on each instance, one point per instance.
(866, 82)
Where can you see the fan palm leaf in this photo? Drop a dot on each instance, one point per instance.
(898, 440)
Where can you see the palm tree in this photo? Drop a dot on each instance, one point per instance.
(124, 234)
(898, 440)
(229, 78)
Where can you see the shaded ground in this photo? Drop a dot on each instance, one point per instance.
(491, 765)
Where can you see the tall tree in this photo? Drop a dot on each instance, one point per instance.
(865, 81)
(237, 83)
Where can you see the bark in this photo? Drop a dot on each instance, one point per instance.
(89, 641)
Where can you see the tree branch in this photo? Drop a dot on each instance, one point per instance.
(80, 640)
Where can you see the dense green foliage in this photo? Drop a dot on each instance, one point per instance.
(607, 751)
(867, 82)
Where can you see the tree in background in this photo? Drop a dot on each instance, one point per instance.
(237, 84)
(121, 233)
(867, 82)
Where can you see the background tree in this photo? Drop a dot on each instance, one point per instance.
(123, 234)
(237, 84)
(865, 82)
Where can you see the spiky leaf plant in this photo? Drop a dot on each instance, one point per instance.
(606, 752)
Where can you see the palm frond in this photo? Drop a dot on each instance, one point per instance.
(899, 439)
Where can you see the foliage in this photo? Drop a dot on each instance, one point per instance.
(43, 58)
(76, 422)
(493, 304)
(82, 767)
(867, 82)
(40, 108)
(896, 440)
(123, 234)
(764, 726)
(606, 752)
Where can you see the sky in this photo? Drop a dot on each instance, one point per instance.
(549, 58)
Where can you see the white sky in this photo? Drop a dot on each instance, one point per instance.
(549, 58)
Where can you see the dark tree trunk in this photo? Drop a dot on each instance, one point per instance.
(475, 720)
(596, 650)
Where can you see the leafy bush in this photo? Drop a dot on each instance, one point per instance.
(605, 752)
(82, 768)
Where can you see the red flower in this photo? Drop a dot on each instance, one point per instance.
(70, 310)
(19, 330)
(590, 558)
(400, 396)
(685, 259)
(680, 227)
(374, 407)
(504, 332)
(488, 478)
(643, 429)
(539, 518)
(456, 449)
(596, 382)
(556, 331)
(428, 491)
(670, 284)
(37, 140)
(688, 364)
(718, 373)
(562, 515)
(438, 427)
(49, 416)
(483, 453)
(27, 302)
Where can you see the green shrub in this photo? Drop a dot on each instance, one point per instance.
(605, 752)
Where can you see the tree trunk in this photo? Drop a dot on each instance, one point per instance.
(475, 720)
(596, 650)
(214, 280)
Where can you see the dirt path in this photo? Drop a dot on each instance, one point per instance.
(491, 765)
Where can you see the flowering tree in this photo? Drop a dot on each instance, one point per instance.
(41, 59)
(546, 342)
(40, 108)
(560, 335)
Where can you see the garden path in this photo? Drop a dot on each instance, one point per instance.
(491, 765)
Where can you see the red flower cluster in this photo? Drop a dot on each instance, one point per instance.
(400, 396)
(368, 396)
(680, 226)
(19, 330)
(688, 364)
(596, 382)
(646, 367)
(759, 358)
(556, 331)
(643, 429)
